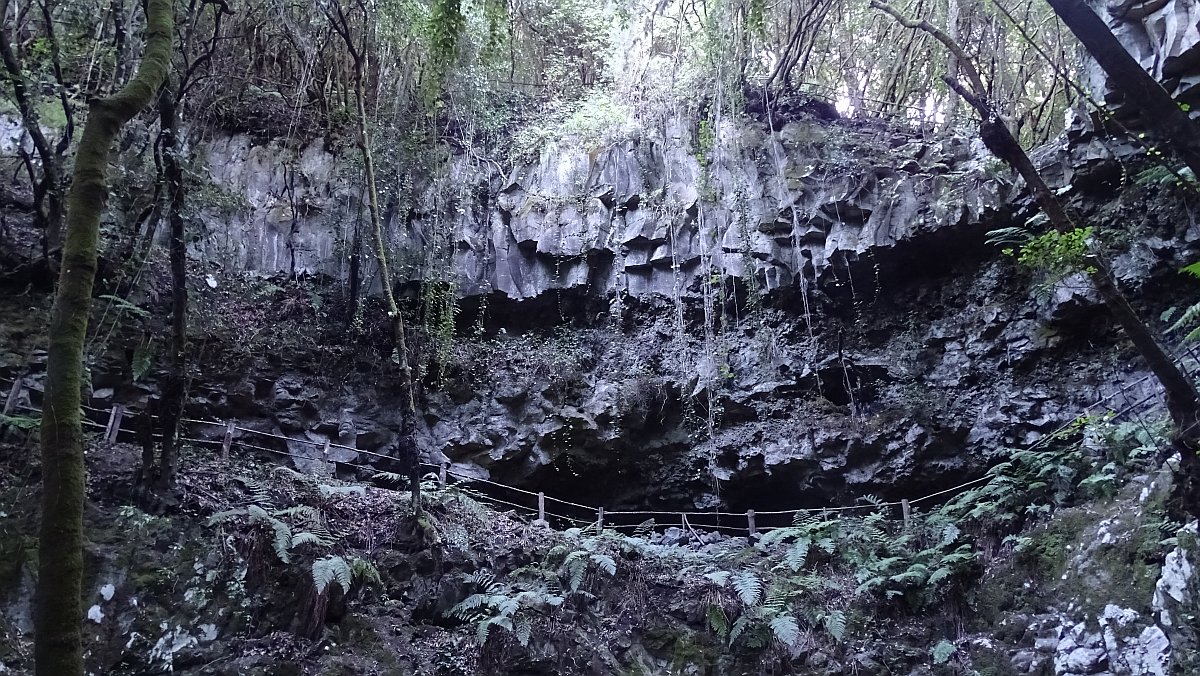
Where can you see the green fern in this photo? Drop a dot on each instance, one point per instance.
(835, 624)
(122, 305)
(331, 569)
(390, 477)
(738, 628)
(797, 554)
(282, 540)
(719, 578)
(1008, 237)
(522, 630)
(260, 493)
(307, 538)
(143, 361)
(718, 621)
(605, 563)
(225, 517)
(786, 629)
(1190, 319)
(364, 571)
(748, 587)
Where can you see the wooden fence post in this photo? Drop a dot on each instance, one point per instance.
(325, 458)
(906, 512)
(227, 442)
(600, 519)
(442, 467)
(541, 506)
(750, 522)
(15, 393)
(114, 423)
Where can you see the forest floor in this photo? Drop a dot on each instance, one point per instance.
(257, 569)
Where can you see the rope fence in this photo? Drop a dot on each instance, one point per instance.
(688, 520)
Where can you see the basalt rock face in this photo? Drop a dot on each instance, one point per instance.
(641, 216)
(1164, 37)
(629, 359)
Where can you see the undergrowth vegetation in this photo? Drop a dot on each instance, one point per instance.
(831, 580)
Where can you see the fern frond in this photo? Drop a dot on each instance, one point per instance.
(364, 571)
(797, 554)
(719, 578)
(718, 621)
(786, 629)
(605, 563)
(776, 600)
(282, 541)
(260, 493)
(870, 584)
(509, 606)
(1188, 319)
(481, 578)
(307, 538)
(306, 512)
(738, 627)
(575, 566)
(937, 576)
(748, 587)
(1007, 237)
(222, 517)
(390, 477)
(466, 608)
(523, 630)
(329, 570)
(835, 624)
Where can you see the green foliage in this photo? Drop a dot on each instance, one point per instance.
(509, 606)
(942, 652)
(1189, 320)
(705, 141)
(299, 534)
(120, 305)
(597, 119)
(20, 422)
(748, 587)
(331, 569)
(1059, 254)
(326, 571)
(1163, 175)
(1009, 238)
(443, 31)
(439, 309)
(143, 360)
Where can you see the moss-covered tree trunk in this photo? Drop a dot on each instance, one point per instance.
(174, 388)
(58, 615)
(357, 46)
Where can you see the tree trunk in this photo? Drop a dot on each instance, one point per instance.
(1160, 113)
(1183, 402)
(48, 202)
(175, 386)
(58, 614)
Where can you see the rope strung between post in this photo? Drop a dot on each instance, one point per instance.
(128, 414)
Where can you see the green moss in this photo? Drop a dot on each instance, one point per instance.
(359, 641)
(14, 556)
(1045, 558)
(680, 645)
